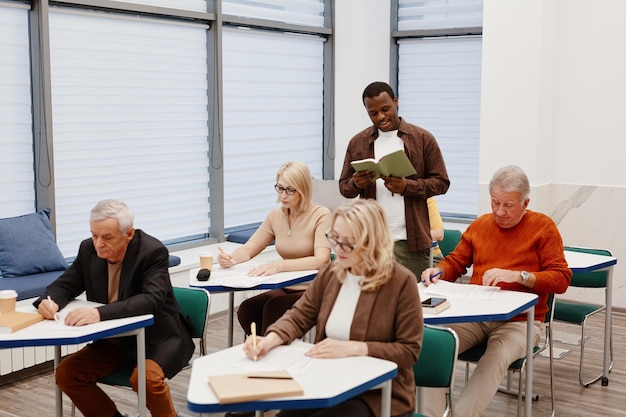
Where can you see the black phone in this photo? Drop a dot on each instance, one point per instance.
(433, 301)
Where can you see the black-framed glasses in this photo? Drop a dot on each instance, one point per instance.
(280, 189)
(346, 247)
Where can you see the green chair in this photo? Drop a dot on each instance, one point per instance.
(194, 303)
(578, 313)
(451, 238)
(474, 354)
(437, 361)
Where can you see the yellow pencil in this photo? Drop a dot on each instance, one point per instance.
(253, 331)
(225, 254)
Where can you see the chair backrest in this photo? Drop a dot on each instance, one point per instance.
(437, 360)
(451, 238)
(596, 279)
(195, 303)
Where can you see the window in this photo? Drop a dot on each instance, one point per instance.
(130, 122)
(136, 99)
(439, 70)
(273, 102)
(303, 12)
(17, 192)
(439, 90)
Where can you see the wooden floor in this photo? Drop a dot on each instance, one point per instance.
(33, 397)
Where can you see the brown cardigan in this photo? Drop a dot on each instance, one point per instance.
(388, 319)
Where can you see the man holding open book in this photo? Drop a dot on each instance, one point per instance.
(403, 197)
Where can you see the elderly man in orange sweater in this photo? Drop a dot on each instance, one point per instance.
(515, 249)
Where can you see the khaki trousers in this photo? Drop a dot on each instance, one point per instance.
(76, 376)
(506, 342)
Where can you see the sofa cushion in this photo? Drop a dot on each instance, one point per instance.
(29, 286)
(27, 246)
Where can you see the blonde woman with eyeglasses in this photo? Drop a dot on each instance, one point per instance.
(363, 303)
(297, 227)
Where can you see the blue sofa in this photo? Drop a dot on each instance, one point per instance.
(29, 256)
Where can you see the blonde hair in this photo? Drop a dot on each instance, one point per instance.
(367, 222)
(297, 174)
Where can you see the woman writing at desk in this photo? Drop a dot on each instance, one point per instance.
(297, 227)
(363, 304)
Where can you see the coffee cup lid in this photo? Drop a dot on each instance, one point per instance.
(8, 294)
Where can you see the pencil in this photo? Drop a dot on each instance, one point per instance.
(253, 331)
(230, 258)
(56, 316)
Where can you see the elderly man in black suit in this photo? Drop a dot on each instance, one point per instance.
(126, 270)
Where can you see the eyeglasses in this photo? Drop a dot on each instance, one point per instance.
(280, 189)
(346, 247)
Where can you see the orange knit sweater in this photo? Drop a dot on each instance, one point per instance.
(533, 245)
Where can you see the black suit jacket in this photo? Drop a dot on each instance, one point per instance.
(145, 288)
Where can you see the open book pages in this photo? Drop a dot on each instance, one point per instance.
(452, 290)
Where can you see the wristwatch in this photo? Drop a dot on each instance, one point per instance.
(525, 275)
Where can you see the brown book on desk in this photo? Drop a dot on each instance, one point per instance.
(435, 305)
(254, 386)
(18, 320)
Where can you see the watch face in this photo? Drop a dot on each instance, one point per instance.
(525, 276)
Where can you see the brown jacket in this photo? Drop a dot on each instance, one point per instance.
(388, 319)
(431, 178)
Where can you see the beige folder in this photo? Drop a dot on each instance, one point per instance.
(254, 386)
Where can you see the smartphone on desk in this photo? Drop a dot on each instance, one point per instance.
(433, 302)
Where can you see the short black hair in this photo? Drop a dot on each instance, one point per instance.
(376, 88)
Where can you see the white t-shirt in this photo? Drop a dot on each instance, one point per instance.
(392, 204)
(340, 319)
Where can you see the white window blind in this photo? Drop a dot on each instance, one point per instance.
(129, 105)
(303, 12)
(193, 5)
(273, 102)
(439, 14)
(17, 192)
(439, 90)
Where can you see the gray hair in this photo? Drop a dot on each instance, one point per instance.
(113, 209)
(511, 179)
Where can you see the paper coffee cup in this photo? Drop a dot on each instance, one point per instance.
(206, 260)
(7, 301)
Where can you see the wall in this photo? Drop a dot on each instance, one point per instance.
(553, 97)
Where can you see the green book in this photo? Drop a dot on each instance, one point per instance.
(395, 164)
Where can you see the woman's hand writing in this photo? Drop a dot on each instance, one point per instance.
(263, 345)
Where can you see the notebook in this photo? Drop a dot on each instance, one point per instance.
(253, 386)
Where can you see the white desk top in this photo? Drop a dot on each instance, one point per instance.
(236, 278)
(326, 382)
(472, 306)
(50, 333)
(587, 262)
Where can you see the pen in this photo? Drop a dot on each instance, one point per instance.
(253, 331)
(56, 316)
(269, 377)
(434, 275)
(230, 258)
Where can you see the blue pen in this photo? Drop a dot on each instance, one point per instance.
(435, 275)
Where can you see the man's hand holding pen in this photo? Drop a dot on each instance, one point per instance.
(431, 275)
(48, 309)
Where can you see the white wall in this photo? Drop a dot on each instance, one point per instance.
(553, 101)
(362, 49)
